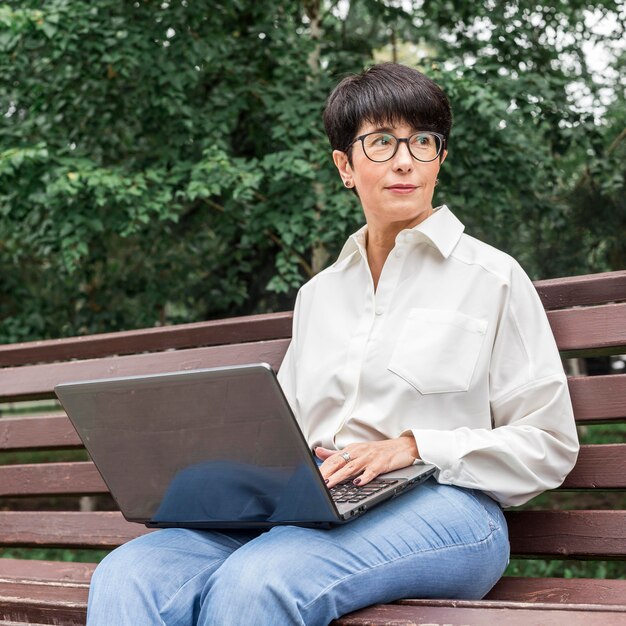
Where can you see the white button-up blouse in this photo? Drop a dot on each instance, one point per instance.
(453, 346)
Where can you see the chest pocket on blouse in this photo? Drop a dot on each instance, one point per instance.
(437, 350)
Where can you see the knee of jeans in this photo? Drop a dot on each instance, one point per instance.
(255, 584)
(124, 566)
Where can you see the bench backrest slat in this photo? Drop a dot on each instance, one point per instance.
(45, 431)
(99, 529)
(598, 466)
(559, 293)
(213, 333)
(51, 479)
(565, 534)
(555, 293)
(598, 398)
(604, 327)
(568, 534)
(38, 381)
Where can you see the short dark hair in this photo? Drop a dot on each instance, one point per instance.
(387, 93)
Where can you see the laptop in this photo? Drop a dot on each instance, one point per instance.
(213, 448)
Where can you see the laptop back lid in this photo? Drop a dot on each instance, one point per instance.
(208, 448)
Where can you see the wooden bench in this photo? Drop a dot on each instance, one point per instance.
(43, 503)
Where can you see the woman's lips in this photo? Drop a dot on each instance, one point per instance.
(402, 189)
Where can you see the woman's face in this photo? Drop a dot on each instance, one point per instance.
(398, 191)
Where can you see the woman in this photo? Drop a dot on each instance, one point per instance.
(419, 344)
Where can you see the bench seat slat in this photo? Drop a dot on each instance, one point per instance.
(598, 466)
(38, 381)
(568, 534)
(67, 604)
(480, 615)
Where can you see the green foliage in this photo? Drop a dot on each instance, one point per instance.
(565, 569)
(54, 554)
(165, 162)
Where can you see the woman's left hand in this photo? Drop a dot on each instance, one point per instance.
(367, 460)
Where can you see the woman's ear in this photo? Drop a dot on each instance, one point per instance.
(343, 166)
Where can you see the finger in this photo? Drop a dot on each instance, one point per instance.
(349, 470)
(367, 475)
(323, 453)
(332, 465)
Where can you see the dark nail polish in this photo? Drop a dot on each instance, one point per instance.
(357, 481)
(326, 481)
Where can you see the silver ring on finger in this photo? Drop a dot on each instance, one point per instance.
(346, 456)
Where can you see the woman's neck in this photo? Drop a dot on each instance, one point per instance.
(380, 241)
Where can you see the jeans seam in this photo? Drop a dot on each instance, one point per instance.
(404, 556)
(161, 608)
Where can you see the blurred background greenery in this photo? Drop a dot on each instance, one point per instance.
(165, 162)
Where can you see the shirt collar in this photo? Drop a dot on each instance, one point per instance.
(442, 230)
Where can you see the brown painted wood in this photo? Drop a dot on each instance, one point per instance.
(568, 534)
(43, 603)
(218, 332)
(597, 327)
(554, 293)
(46, 571)
(599, 467)
(559, 590)
(573, 534)
(595, 399)
(38, 381)
(603, 326)
(51, 479)
(589, 289)
(102, 530)
(598, 398)
(46, 431)
(509, 588)
(481, 614)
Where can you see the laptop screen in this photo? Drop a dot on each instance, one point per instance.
(218, 445)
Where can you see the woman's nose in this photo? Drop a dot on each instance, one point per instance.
(403, 159)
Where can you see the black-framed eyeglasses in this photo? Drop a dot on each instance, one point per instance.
(380, 146)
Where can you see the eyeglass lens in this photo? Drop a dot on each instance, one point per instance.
(382, 146)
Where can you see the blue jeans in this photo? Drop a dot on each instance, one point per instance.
(437, 541)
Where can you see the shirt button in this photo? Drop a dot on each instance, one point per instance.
(447, 474)
(399, 253)
(380, 310)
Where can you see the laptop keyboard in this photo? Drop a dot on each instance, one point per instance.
(349, 492)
